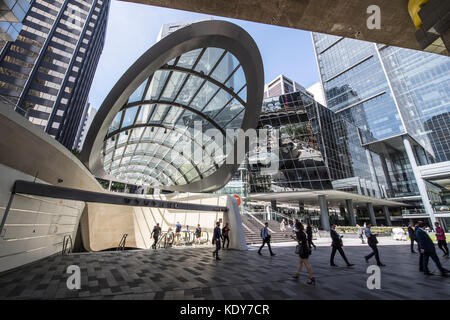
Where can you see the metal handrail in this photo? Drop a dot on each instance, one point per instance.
(66, 248)
(164, 237)
(122, 242)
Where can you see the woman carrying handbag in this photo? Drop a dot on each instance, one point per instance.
(304, 252)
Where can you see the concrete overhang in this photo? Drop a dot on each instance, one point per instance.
(334, 198)
(346, 18)
(440, 170)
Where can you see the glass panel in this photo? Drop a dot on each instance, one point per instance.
(174, 84)
(188, 59)
(187, 121)
(225, 67)
(136, 134)
(191, 174)
(144, 113)
(149, 133)
(228, 113)
(109, 144)
(186, 167)
(107, 158)
(123, 137)
(159, 78)
(189, 90)
(217, 103)
(116, 122)
(138, 93)
(119, 152)
(204, 95)
(172, 115)
(236, 122)
(130, 115)
(243, 94)
(237, 81)
(159, 112)
(130, 149)
(208, 60)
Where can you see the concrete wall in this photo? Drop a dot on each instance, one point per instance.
(35, 226)
(104, 225)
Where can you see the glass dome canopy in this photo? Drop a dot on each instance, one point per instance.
(160, 135)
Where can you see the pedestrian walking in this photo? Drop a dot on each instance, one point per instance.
(226, 235)
(177, 233)
(442, 241)
(360, 233)
(336, 245)
(283, 227)
(309, 235)
(426, 247)
(265, 235)
(216, 240)
(303, 252)
(372, 242)
(198, 234)
(155, 234)
(412, 236)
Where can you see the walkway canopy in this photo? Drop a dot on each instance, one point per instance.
(165, 120)
(333, 197)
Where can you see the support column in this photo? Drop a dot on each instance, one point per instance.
(350, 211)
(387, 215)
(110, 184)
(273, 205)
(301, 207)
(373, 221)
(324, 218)
(420, 182)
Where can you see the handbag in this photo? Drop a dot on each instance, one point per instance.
(299, 250)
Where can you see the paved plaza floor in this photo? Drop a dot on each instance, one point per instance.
(192, 273)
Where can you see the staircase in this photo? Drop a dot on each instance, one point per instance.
(252, 230)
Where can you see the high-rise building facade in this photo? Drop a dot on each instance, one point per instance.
(47, 72)
(282, 85)
(317, 149)
(86, 120)
(400, 98)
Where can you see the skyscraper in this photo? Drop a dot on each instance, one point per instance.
(399, 97)
(282, 85)
(85, 123)
(47, 72)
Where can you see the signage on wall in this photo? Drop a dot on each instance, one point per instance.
(238, 199)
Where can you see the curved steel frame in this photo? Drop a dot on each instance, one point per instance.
(219, 34)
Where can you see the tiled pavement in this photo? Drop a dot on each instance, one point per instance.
(192, 273)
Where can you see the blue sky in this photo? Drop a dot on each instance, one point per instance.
(133, 29)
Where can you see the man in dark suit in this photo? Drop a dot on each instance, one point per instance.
(412, 236)
(426, 247)
(337, 244)
(217, 235)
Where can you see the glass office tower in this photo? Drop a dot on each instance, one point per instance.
(390, 93)
(317, 149)
(47, 72)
